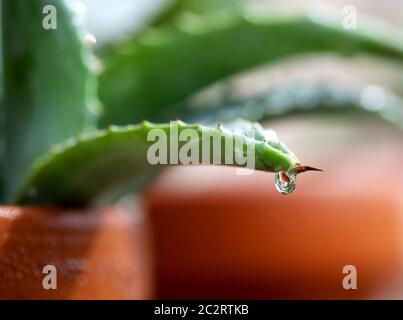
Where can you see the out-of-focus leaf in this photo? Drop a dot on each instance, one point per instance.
(297, 97)
(49, 88)
(177, 7)
(165, 65)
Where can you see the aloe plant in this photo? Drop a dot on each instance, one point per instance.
(50, 97)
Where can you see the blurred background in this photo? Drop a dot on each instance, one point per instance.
(219, 235)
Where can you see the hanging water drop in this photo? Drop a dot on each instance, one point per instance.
(285, 182)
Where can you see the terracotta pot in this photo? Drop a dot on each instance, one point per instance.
(97, 255)
(219, 235)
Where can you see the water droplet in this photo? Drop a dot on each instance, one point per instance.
(90, 39)
(285, 182)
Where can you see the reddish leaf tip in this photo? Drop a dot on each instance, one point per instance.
(302, 168)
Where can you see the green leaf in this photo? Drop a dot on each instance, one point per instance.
(90, 166)
(165, 65)
(49, 87)
(177, 7)
(293, 98)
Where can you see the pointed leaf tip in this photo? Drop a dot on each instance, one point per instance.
(302, 168)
